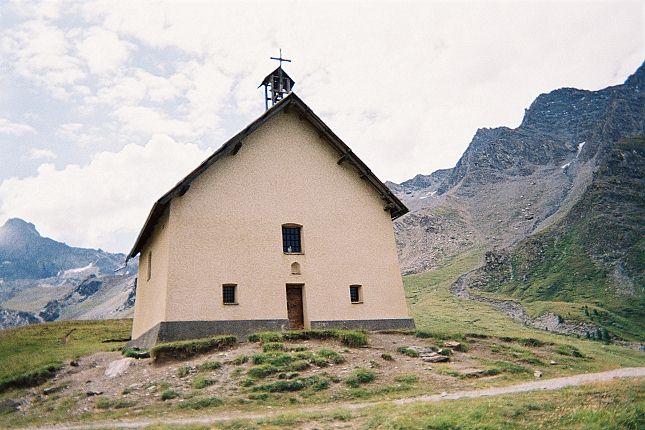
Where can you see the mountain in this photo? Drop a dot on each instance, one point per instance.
(45, 280)
(25, 254)
(557, 203)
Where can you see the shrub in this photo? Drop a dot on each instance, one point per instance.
(273, 346)
(569, 350)
(531, 342)
(135, 353)
(288, 375)
(445, 351)
(408, 378)
(201, 403)
(240, 359)
(360, 376)
(298, 365)
(201, 382)
(104, 403)
(353, 339)
(169, 394)
(209, 365)
(30, 379)
(407, 351)
(319, 361)
(316, 382)
(335, 357)
(387, 357)
(262, 371)
(247, 382)
(189, 348)
(183, 371)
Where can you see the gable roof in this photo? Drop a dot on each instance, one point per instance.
(233, 145)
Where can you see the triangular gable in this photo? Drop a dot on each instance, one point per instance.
(233, 145)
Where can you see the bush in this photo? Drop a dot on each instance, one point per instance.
(445, 351)
(30, 379)
(335, 357)
(209, 365)
(201, 403)
(351, 338)
(359, 377)
(135, 353)
(408, 378)
(387, 357)
(183, 371)
(240, 359)
(531, 342)
(201, 382)
(189, 348)
(285, 385)
(569, 350)
(407, 351)
(169, 394)
(262, 371)
(273, 346)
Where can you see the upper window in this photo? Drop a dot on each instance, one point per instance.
(291, 242)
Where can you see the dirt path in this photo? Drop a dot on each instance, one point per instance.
(549, 384)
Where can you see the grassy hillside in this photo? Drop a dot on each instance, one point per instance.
(594, 257)
(29, 354)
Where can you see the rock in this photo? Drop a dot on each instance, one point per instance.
(552, 363)
(73, 363)
(117, 368)
(9, 405)
(537, 374)
(49, 390)
(91, 393)
(433, 357)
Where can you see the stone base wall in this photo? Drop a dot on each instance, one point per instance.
(373, 325)
(170, 331)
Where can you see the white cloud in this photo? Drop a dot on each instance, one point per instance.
(14, 128)
(103, 51)
(104, 203)
(37, 154)
(41, 52)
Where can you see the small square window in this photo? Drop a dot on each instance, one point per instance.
(355, 294)
(291, 242)
(228, 294)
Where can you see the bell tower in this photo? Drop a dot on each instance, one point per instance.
(277, 84)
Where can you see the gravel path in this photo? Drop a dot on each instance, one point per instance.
(548, 384)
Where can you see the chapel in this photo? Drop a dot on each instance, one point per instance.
(283, 227)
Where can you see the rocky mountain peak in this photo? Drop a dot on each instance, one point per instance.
(18, 227)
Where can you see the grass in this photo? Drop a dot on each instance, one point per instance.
(182, 350)
(359, 377)
(351, 338)
(30, 355)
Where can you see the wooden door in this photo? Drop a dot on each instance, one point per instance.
(294, 306)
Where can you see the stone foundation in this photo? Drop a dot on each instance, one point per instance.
(170, 331)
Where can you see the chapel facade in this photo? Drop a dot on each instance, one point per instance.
(283, 227)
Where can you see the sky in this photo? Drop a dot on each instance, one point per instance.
(105, 105)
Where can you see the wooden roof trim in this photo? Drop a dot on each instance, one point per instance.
(395, 206)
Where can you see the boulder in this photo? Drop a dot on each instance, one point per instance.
(118, 368)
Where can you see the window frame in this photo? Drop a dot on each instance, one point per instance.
(300, 238)
(224, 296)
(359, 291)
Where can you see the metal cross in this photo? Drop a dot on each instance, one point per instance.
(280, 59)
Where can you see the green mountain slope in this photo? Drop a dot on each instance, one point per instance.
(594, 256)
